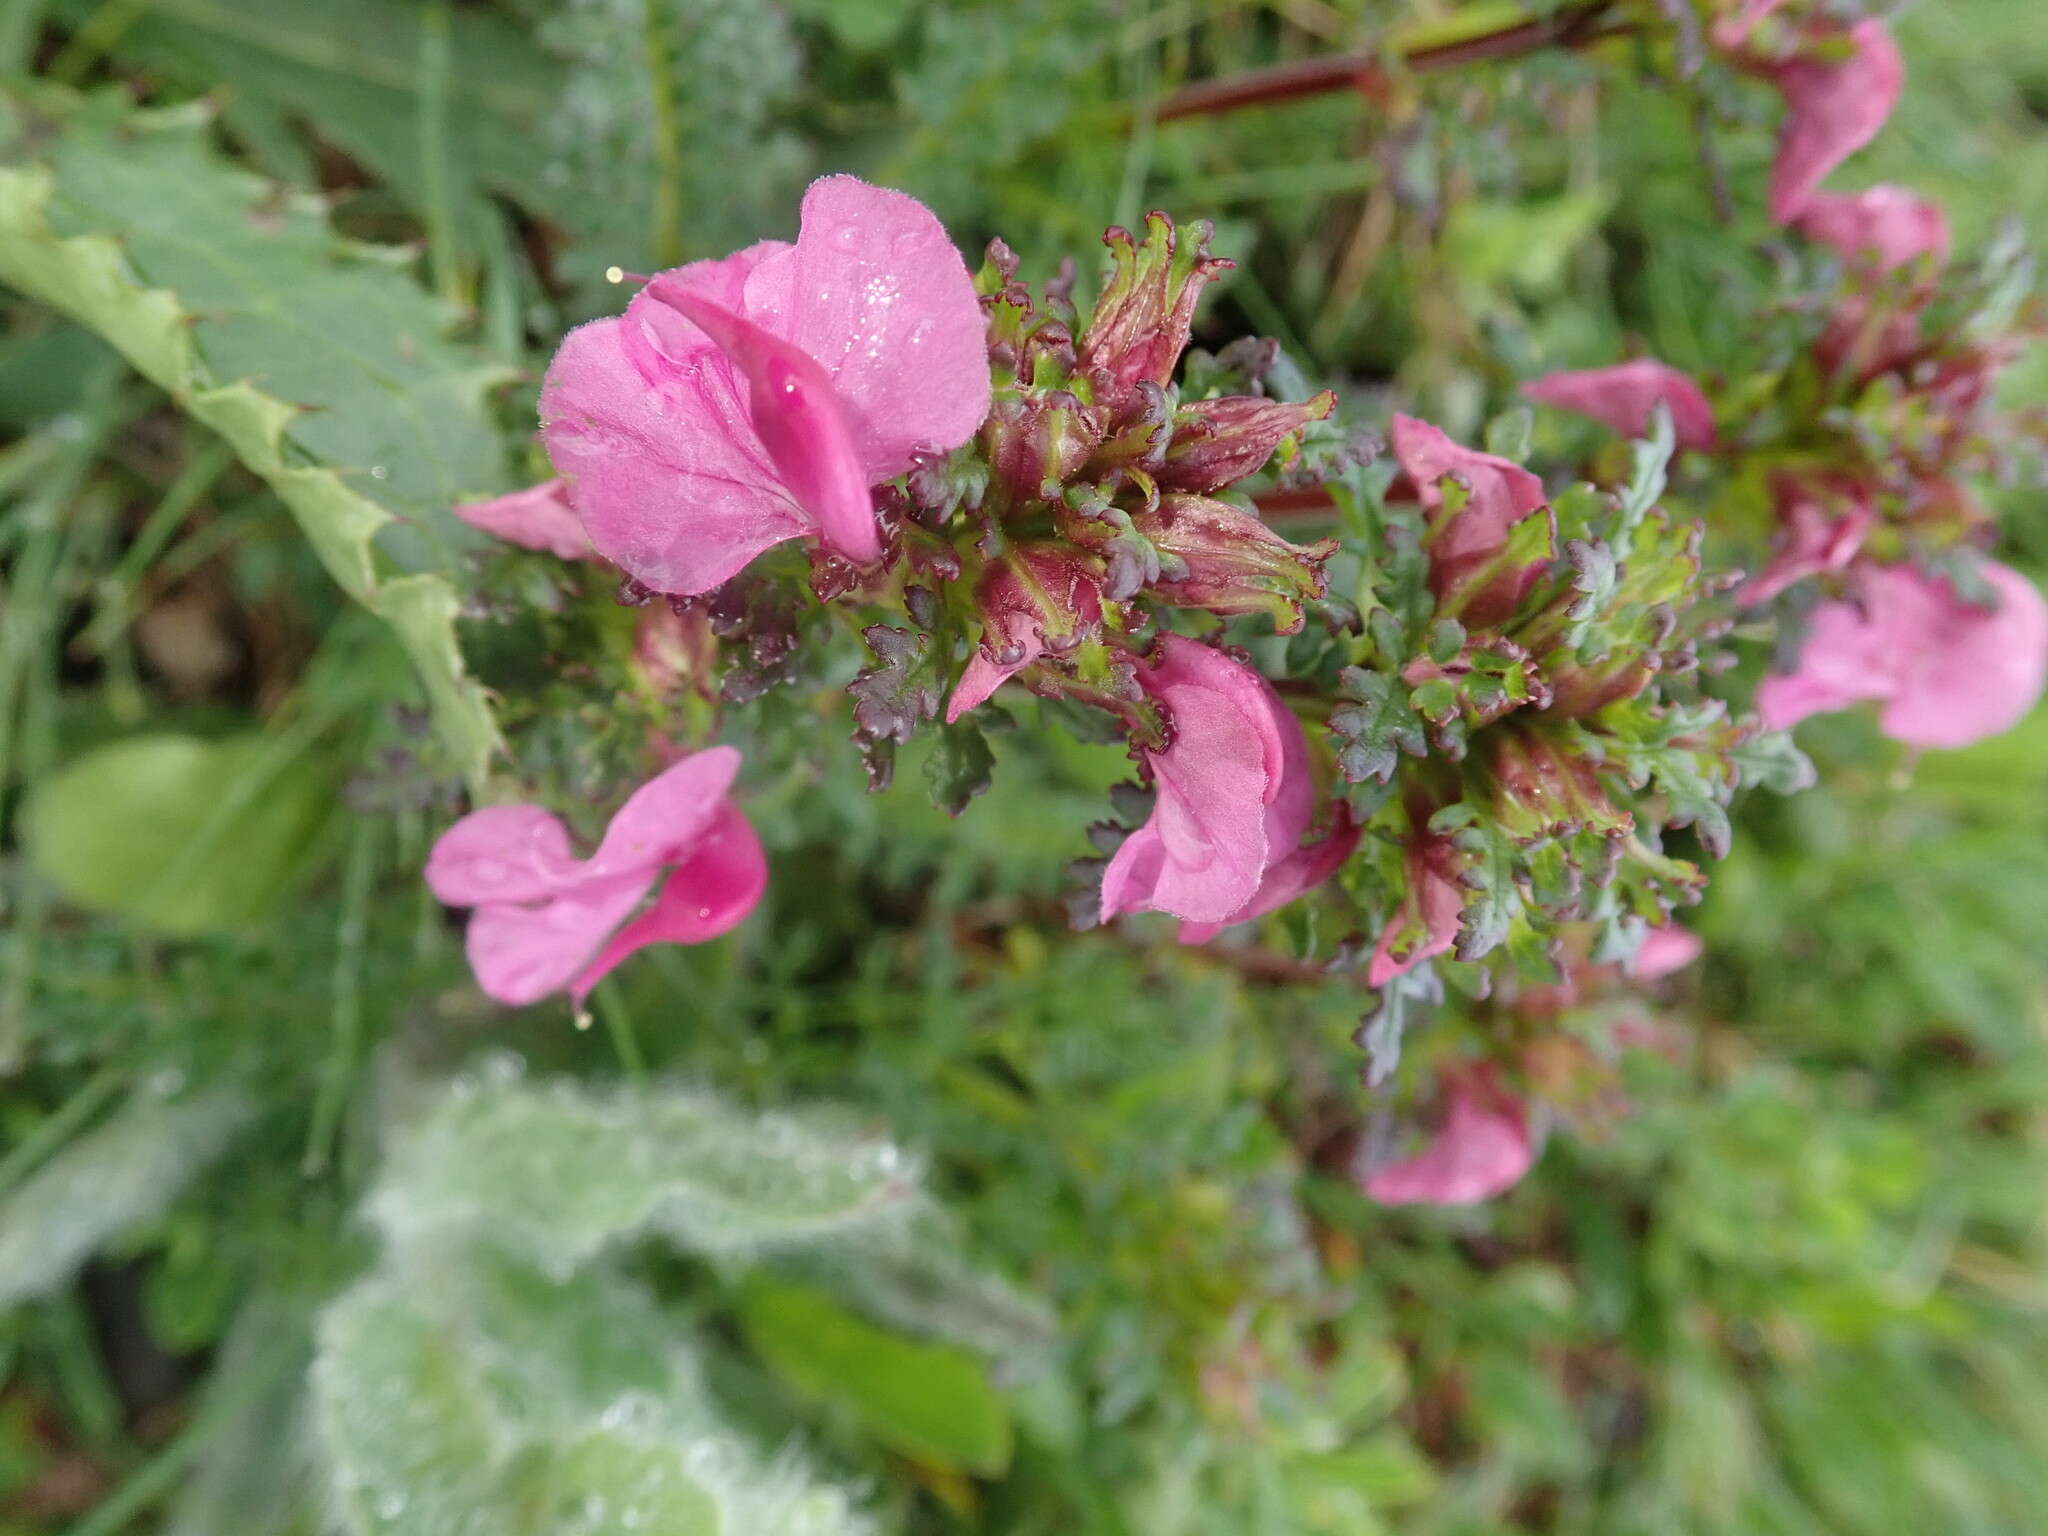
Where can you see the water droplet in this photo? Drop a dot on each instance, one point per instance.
(849, 237)
(906, 242)
(379, 472)
(390, 1505)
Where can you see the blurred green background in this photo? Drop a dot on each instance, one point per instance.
(1797, 1287)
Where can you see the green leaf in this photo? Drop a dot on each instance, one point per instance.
(108, 1180)
(960, 766)
(457, 1394)
(930, 1402)
(178, 834)
(557, 1174)
(1375, 727)
(324, 366)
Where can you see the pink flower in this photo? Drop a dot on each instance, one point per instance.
(1234, 793)
(1666, 949)
(1623, 396)
(756, 398)
(1425, 925)
(1833, 107)
(1947, 673)
(1820, 528)
(1290, 876)
(546, 920)
(1035, 598)
(1482, 1149)
(1466, 544)
(538, 517)
(1887, 223)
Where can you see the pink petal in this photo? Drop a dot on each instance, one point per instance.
(1623, 396)
(1844, 661)
(1948, 673)
(1888, 223)
(1502, 493)
(521, 954)
(1820, 528)
(1428, 917)
(982, 677)
(501, 853)
(665, 472)
(710, 893)
(875, 291)
(1482, 1150)
(665, 817)
(1664, 950)
(1287, 878)
(538, 517)
(797, 418)
(1974, 673)
(1832, 109)
(1228, 777)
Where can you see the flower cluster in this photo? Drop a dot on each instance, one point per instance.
(1467, 723)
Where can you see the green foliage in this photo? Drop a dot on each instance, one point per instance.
(121, 1173)
(1080, 1249)
(585, 1172)
(142, 828)
(231, 281)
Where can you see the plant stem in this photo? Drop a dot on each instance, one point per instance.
(1573, 27)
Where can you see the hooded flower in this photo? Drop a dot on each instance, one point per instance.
(1833, 107)
(1666, 949)
(1425, 925)
(1821, 527)
(1947, 673)
(1623, 396)
(1481, 1150)
(1234, 793)
(546, 921)
(756, 398)
(538, 517)
(1469, 554)
(1885, 223)
(1035, 598)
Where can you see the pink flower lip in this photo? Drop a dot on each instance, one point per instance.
(1234, 791)
(546, 921)
(1945, 672)
(538, 517)
(1482, 1149)
(1832, 109)
(1623, 396)
(756, 398)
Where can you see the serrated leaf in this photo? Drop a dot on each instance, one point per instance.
(325, 369)
(1375, 727)
(557, 1174)
(108, 1180)
(960, 766)
(930, 1402)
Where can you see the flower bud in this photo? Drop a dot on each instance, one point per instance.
(1218, 442)
(1141, 323)
(1037, 439)
(1216, 556)
(1035, 599)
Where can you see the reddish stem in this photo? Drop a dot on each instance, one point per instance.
(1368, 73)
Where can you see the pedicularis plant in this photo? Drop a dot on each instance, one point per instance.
(1453, 726)
(1335, 740)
